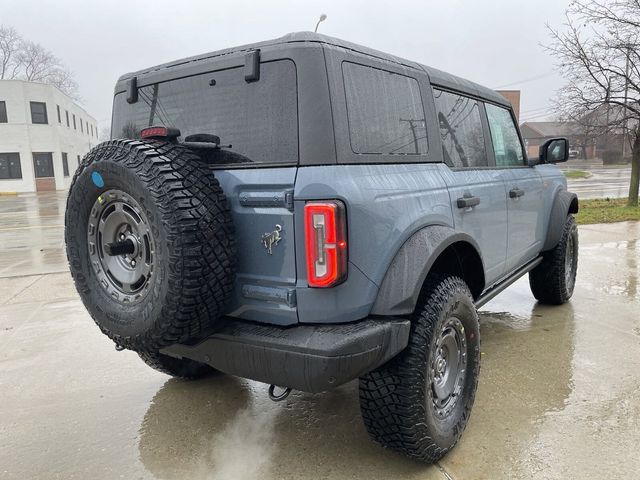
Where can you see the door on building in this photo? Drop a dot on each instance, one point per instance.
(43, 167)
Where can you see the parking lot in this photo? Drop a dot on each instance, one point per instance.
(559, 393)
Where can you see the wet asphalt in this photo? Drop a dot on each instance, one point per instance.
(559, 393)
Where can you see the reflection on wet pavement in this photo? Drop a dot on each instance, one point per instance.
(559, 393)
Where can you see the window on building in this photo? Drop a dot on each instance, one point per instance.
(3, 112)
(81, 127)
(59, 116)
(43, 164)
(74, 122)
(65, 164)
(39, 112)
(460, 130)
(506, 142)
(10, 167)
(92, 130)
(385, 112)
(78, 160)
(67, 114)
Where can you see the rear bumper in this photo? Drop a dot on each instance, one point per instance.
(311, 358)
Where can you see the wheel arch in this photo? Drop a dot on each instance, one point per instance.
(565, 203)
(433, 248)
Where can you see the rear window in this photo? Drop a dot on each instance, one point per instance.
(258, 119)
(385, 112)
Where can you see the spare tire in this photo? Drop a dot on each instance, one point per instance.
(150, 242)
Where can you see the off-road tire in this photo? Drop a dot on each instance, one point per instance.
(553, 281)
(176, 367)
(190, 224)
(395, 399)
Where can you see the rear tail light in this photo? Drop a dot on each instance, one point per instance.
(325, 225)
(160, 132)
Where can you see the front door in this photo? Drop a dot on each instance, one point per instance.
(43, 168)
(477, 192)
(524, 189)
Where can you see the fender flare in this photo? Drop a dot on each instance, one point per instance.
(564, 203)
(402, 283)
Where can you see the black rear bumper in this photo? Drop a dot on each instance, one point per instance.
(311, 358)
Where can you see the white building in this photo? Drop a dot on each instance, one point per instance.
(43, 136)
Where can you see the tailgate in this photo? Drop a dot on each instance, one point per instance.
(262, 207)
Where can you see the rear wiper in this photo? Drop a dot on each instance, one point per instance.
(203, 140)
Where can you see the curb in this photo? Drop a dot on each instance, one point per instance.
(8, 193)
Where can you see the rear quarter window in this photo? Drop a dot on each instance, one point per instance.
(385, 112)
(258, 119)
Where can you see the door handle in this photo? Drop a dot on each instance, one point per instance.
(516, 193)
(468, 201)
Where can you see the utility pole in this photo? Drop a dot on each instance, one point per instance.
(606, 133)
(412, 126)
(626, 94)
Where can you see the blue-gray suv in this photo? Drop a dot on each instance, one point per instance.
(306, 211)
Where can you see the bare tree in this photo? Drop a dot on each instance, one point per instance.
(37, 64)
(598, 50)
(10, 43)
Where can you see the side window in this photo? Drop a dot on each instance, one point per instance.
(3, 112)
(461, 130)
(39, 112)
(65, 164)
(10, 166)
(385, 112)
(506, 143)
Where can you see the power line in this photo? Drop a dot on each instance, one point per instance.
(526, 80)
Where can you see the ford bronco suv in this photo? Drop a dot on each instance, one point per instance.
(306, 211)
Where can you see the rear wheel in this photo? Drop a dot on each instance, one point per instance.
(150, 242)
(419, 403)
(554, 279)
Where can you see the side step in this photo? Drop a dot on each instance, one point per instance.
(507, 282)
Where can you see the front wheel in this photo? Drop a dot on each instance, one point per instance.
(419, 403)
(553, 281)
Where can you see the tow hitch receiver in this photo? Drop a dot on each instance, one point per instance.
(278, 398)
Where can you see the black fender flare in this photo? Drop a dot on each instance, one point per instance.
(564, 203)
(402, 283)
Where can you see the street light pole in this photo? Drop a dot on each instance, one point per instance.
(323, 17)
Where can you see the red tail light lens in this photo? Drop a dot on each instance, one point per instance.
(326, 243)
(159, 132)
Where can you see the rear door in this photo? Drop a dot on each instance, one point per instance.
(256, 118)
(524, 189)
(476, 191)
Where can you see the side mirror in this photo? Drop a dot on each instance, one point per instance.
(555, 150)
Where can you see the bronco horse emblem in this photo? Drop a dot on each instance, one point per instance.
(271, 238)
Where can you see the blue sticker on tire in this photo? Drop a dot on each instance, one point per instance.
(98, 181)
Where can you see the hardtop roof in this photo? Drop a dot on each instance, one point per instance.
(437, 77)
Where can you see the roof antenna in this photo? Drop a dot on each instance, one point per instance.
(323, 17)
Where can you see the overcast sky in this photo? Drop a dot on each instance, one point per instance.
(495, 43)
